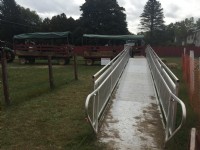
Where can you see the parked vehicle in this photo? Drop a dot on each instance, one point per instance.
(97, 47)
(10, 55)
(40, 45)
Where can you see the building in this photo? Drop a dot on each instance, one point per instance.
(194, 38)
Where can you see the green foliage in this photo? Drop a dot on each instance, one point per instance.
(9, 12)
(158, 37)
(16, 19)
(29, 17)
(152, 16)
(182, 28)
(198, 24)
(152, 22)
(58, 23)
(172, 34)
(103, 17)
(46, 25)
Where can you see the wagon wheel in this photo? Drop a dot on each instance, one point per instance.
(67, 60)
(22, 60)
(61, 61)
(31, 60)
(10, 56)
(89, 62)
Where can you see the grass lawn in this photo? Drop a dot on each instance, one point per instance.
(181, 139)
(40, 118)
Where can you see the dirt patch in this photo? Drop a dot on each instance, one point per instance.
(151, 126)
(107, 114)
(109, 117)
(152, 97)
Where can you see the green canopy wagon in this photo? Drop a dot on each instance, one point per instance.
(40, 45)
(106, 46)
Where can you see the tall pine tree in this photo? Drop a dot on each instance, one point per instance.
(152, 16)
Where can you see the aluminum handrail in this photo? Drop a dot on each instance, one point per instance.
(163, 64)
(104, 86)
(89, 97)
(101, 75)
(166, 102)
(183, 119)
(106, 66)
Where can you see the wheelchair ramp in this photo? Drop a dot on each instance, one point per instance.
(133, 119)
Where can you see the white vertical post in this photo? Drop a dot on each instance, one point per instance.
(193, 134)
(184, 51)
(191, 71)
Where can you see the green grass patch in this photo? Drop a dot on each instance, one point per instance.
(40, 118)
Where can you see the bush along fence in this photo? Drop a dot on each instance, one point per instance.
(191, 74)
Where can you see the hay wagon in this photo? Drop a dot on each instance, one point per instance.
(100, 47)
(39, 45)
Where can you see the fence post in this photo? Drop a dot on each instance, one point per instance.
(191, 71)
(75, 68)
(51, 80)
(199, 63)
(5, 78)
(193, 138)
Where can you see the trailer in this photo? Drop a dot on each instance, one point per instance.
(100, 47)
(40, 45)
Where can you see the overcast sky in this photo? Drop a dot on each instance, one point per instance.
(174, 10)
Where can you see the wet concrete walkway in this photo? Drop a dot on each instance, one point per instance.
(133, 120)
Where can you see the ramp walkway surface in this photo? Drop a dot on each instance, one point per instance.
(133, 120)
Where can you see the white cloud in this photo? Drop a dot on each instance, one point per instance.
(48, 8)
(174, 10)
(177, 10)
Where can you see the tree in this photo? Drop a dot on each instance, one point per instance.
(46, 25)
(152, 17)
(103, 17)
(16, 19)
(62, 23)
(30, 19)
(59, 23)
(198, 24)
(9, 14)
(181, 29)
